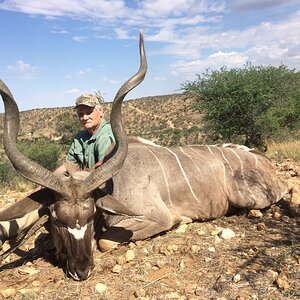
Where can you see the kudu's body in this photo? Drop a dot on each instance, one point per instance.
(162, 187)
(155, 189)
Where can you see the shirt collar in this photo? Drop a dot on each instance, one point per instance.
(97, 132)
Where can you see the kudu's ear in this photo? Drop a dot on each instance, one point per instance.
(111, 205)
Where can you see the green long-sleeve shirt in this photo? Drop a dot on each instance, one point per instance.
(87, 150)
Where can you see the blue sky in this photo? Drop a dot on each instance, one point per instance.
(52, 51)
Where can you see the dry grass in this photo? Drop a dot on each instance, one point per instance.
(284, 150)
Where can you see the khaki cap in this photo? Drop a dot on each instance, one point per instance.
(88, 100)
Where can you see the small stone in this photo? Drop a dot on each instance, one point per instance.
(117, 269)
(100, 288)
(236, 278)
(9, 292)
(172, 295)
(195, 248)
(201, 232)
(198, 291)
(132, 245)
(272, 274)
(261, 226)
(211, 249)
(26, 291)
(129, 255)
(181, 229)
(277, 215)
(251, 252)
(28, 270)
(145, 251)
(227, 234)
(172, 248)
(160, 263)
(255, 213)
(282, 281)
(181, 264)
(121, 260)
(216, 231)
(140, 293)
(163, 250)
(217, 240)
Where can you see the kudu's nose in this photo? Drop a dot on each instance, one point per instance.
(81, 274)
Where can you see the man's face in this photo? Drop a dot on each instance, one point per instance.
(90, 117)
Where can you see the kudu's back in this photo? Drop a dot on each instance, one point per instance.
(196, 182)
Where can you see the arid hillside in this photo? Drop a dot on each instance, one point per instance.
(165, 119)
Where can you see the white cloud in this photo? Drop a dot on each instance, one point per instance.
(122, 33)
(72, 8)
(260, 4)
(188, 69)
(22, 70)
(162, 8)
(80, 38)
(190, 30)
(60, 31)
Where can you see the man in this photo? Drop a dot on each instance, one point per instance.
(87, 152)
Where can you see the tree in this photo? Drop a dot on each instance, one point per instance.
(45, 152)
(67, 125)
(248, 105)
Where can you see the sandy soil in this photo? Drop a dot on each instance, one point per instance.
(259, 260)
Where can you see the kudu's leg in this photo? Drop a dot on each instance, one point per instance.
(136, 228)
(25, 212)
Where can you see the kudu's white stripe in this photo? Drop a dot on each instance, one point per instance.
(205, 158)
(208, 147)
(147, 142)
(183, 173)
(231, 169)
(78, 233)
(164, 174)
(255, 158)
(190, 159)
(242, 173)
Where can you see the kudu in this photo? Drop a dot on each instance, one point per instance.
(143, 189)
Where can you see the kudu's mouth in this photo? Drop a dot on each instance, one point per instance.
(80, 275)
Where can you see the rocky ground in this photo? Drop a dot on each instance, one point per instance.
(250, 255)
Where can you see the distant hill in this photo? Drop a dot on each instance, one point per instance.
(167, 120)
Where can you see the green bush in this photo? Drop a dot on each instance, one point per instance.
(67, 125)
(248, 105)
(7, 172)
(45, 152)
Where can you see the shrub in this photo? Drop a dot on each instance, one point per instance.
(249, 105)
(45, 152)
(67, 125)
